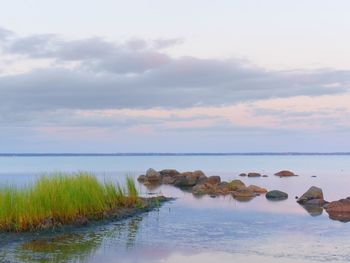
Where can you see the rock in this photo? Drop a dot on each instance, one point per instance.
(141, 178)
(242, 174)
(339, 210)
(169, 176)
(188, 179)
(223, 188)
(243, 193)
(168, 180)
(313, 196)
(169, 172)
(276, 195)
(257, 189)
(214, 179)
(208, 185)
(265, 175)
(285, 173)
(254, 175)
(153, 176)
(235, 184)
(313, 176)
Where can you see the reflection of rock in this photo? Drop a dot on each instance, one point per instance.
(339, 210)
(257, 189)
(243, 192)
(254, 175)
(313, 210)
(285, 173)
(313, 196)
(276, 195)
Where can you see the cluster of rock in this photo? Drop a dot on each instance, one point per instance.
(312, 200)
(283, 173)
(201, 184)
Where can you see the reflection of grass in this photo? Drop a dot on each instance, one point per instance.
(61, 198)
(63, 248)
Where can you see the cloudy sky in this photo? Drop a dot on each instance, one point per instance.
(174, 76)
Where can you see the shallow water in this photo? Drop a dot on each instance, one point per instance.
(192, 229)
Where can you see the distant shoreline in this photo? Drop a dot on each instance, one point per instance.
(171, 154)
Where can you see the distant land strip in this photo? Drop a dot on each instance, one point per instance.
(168, 154)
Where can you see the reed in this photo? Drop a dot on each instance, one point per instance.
(62, 198)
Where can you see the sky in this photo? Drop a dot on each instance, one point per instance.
(174, 76)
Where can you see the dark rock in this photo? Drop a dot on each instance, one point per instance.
(188, 179)
(254, 175)
(313, 176)
(276, 195)
(169, 172)
(242, 174)
(313, 196)
(141, 178)
(285, 173)
(265, 175)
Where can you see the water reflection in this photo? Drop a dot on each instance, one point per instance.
(313, 210)
(80, 245)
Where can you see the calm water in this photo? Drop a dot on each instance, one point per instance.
(193, 229)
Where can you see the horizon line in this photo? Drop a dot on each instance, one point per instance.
(72, 154)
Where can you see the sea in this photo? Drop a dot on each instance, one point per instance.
(192, 228)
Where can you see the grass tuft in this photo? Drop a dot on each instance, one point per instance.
(61, 198)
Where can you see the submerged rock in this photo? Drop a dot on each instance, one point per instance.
(285, 173)
(254, 174)
(339, 210)
(313, 196)
(276, 195)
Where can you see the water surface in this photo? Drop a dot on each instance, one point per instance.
(192, 229)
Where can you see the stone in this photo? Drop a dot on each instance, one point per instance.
(313, 196)
(339, 210)
(188, 179)
(242, 174)
(276, 195)
(214, 179)
(254, 175)
(153, 176)
(285, 173)
(141, 178)
(257, 189)
(265, 175)
(222, 188)
(169, 172)
(235, 184)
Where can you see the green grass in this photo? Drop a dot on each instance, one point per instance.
(63, 198)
